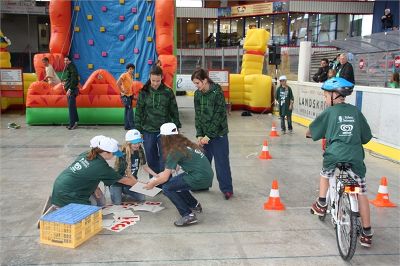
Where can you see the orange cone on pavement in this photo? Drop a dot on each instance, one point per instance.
(265, 152)
(273, 132)
(274, 201)
(382, 198)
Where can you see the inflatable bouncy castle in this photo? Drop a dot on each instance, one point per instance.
(101, 37)
(250, 89)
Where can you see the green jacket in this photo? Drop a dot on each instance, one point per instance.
(156, 107)
(210, 108)
(71, 77)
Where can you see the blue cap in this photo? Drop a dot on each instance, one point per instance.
(118, 153)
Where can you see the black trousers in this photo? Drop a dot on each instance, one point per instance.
(72, 110)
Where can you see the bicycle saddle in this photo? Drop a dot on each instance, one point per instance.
(343, 166)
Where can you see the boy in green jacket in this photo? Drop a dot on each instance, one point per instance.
(156, 105)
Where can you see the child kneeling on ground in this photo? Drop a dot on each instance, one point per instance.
(128, 165)
(178, 150)
(346, 130)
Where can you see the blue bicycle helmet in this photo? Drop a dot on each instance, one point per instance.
(340, 85)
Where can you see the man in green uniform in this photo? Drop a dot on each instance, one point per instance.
(178, 150)
(346, 130)
(79, 181)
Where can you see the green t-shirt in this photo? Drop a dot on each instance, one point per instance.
(345, 129)
(284, 96)
(198, 170)
(79, 181)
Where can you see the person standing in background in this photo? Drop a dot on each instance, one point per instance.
(284, 98)
(125, 83)
(71, 87)
(212, 127)
(51, 75)
(387, 20)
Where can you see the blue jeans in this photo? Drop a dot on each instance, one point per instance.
(152, 148)
(99, 202)
(117, 190)
(219, 149)
(73, 112)
(289, 122)
(177, 190)
(128, 116)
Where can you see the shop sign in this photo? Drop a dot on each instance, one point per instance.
(248, 10)
(184, 83)
(11, 84)
(256, 9)
(310, 102)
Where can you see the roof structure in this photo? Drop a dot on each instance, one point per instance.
(374, 43)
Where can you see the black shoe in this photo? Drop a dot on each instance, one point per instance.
(73, 126)
(199, 190)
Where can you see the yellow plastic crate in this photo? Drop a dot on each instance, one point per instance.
(71, 225)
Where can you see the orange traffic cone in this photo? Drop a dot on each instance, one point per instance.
(274, 201)
(273, 132)
(265, 152)
(382, 198)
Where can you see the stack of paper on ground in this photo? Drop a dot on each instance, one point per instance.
(119, 217)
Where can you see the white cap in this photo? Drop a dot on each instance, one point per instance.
(133, 136)
(283, 77)
(94, 142)
(168, 129)
(109, 145)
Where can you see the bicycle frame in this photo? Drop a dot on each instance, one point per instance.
(336, 188)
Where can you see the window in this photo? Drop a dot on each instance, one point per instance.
(298, 28)
(225, 32)
(280, 29)
(210, 33)
(236, 31)
(267, 24)
(323, 28)
(362, 25)
(190, 30)
(251, 22)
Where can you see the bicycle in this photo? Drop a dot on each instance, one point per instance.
(342, 199)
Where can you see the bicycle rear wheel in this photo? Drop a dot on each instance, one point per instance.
(346, 228)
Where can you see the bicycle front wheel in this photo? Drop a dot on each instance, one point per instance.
(346, 228)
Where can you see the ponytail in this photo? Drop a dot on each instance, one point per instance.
(93, 153)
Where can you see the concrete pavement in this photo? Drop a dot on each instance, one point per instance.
(234, 232)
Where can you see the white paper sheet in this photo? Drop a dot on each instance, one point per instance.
(138, 187)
